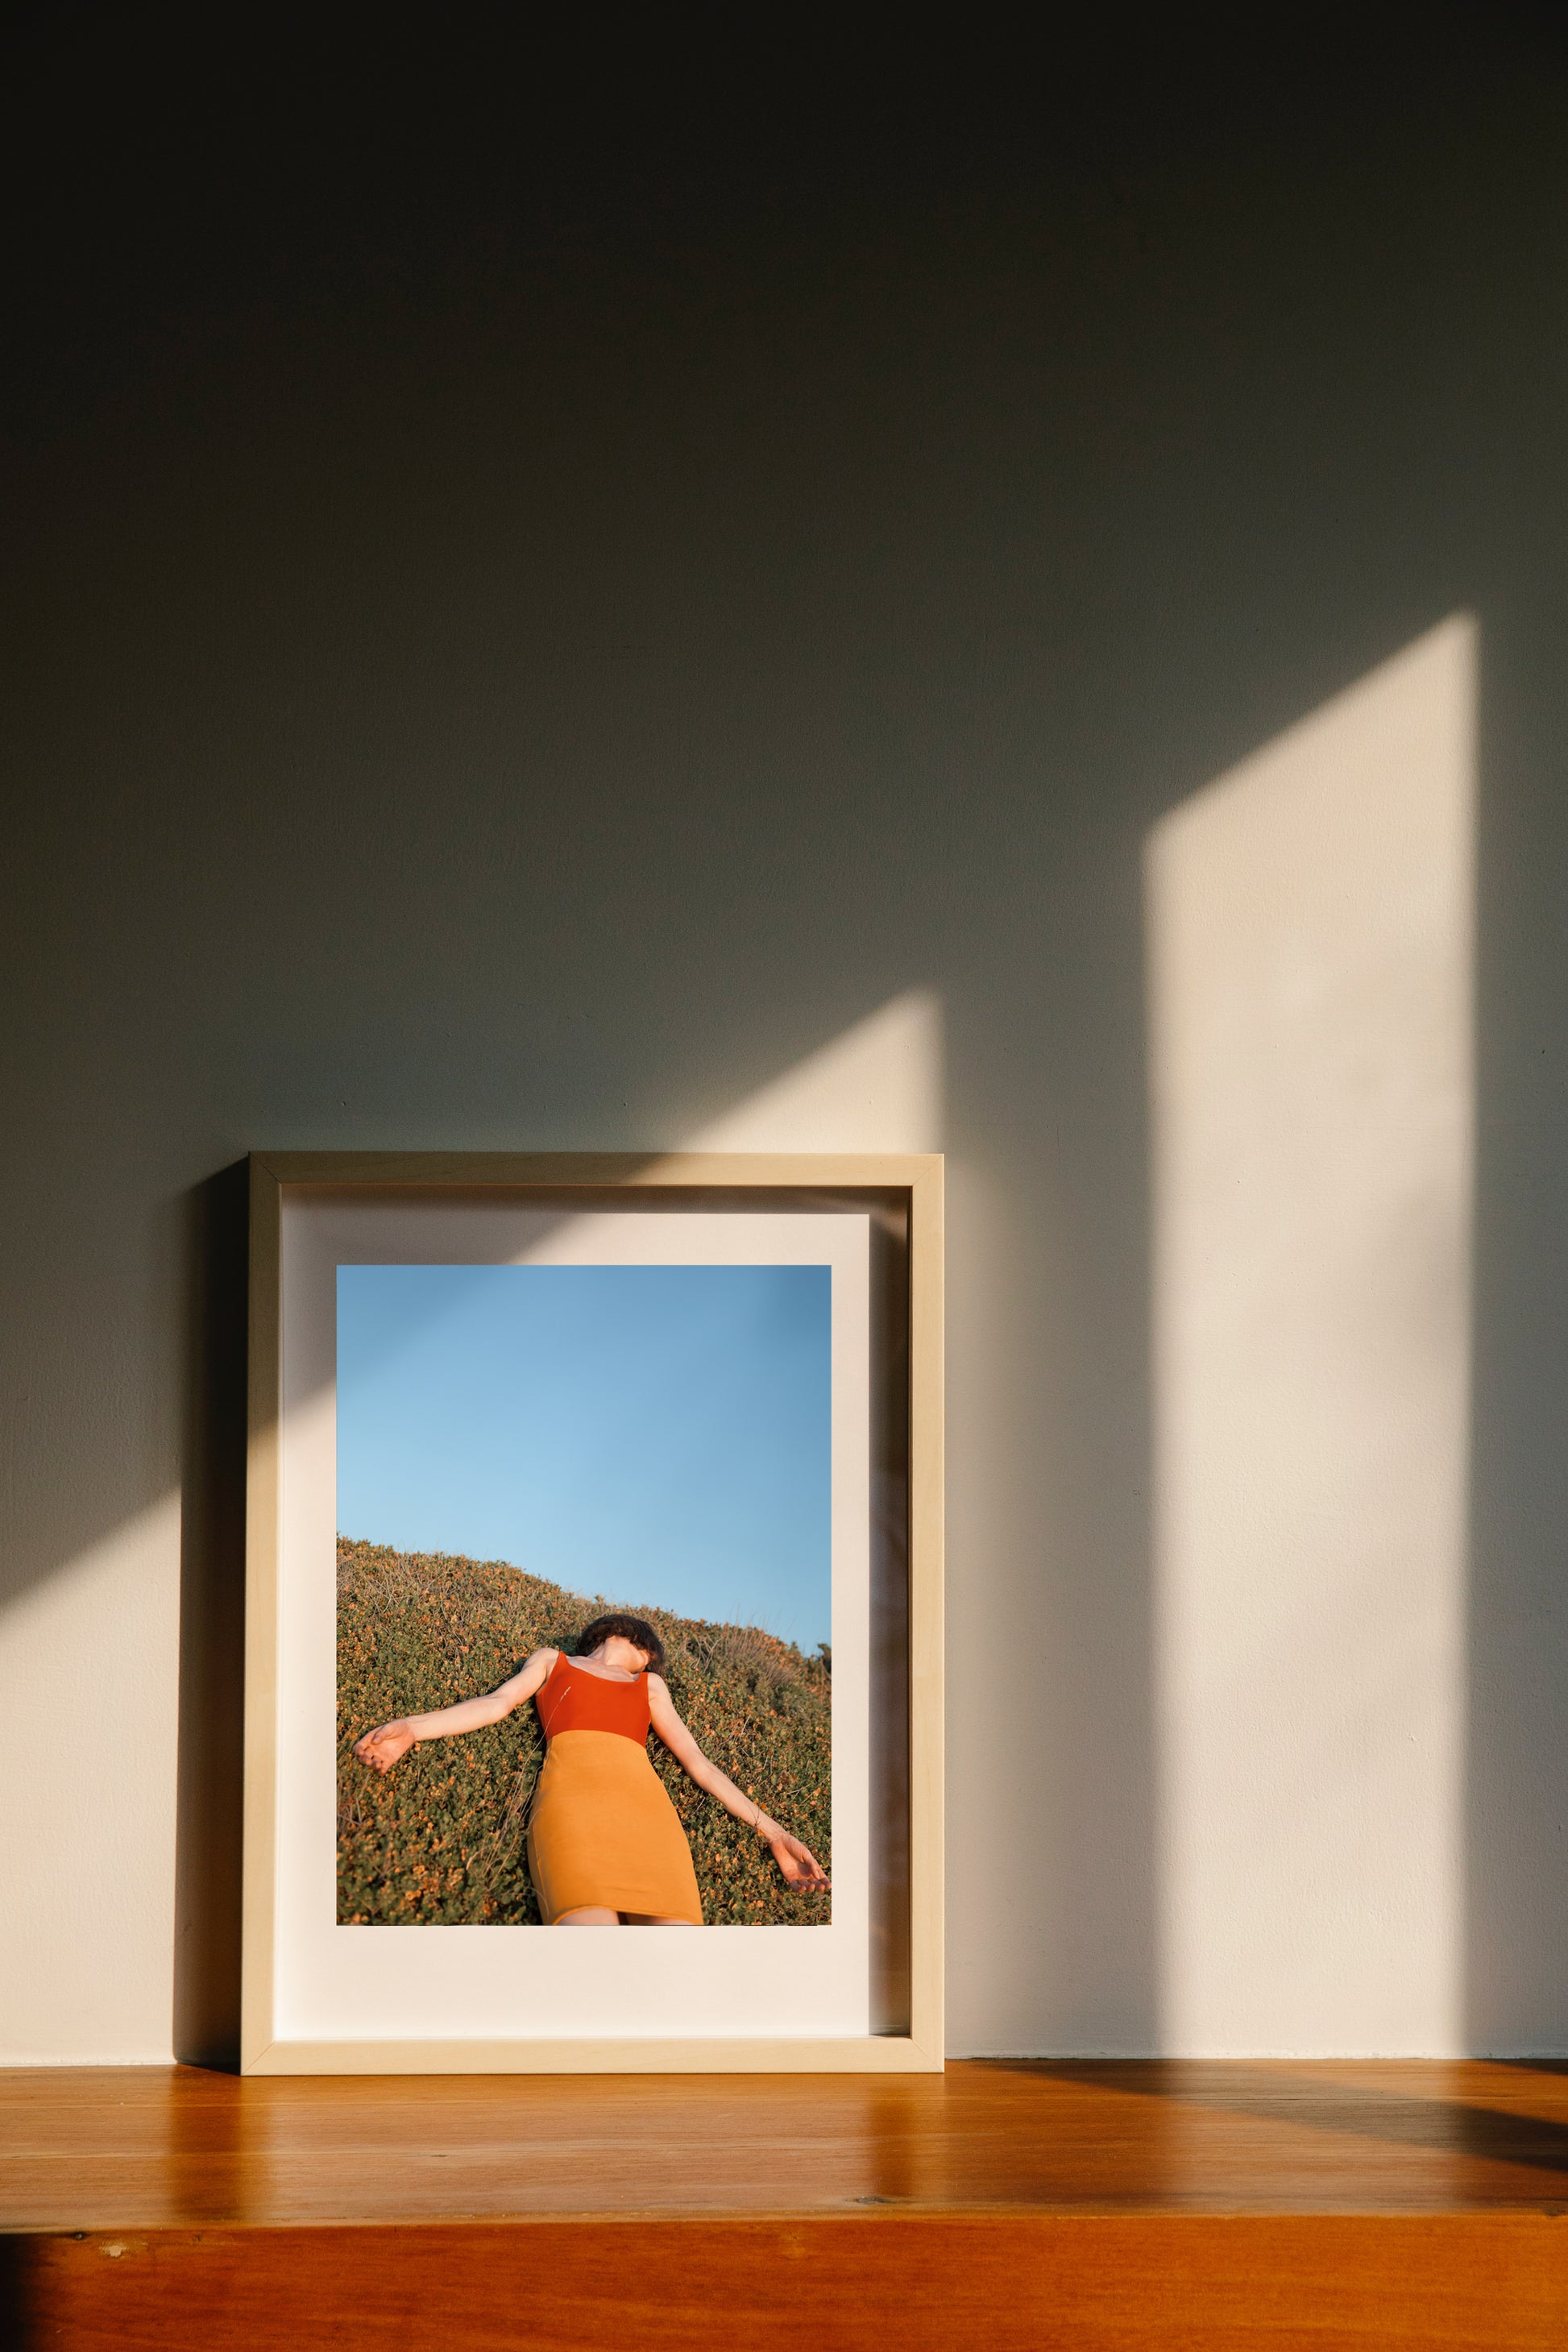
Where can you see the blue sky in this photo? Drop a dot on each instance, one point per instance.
(655, 1433)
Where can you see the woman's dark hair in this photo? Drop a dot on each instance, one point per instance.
(634, 1630)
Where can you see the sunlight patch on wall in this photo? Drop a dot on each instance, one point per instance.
(90, 1666)
(877, 1087)
(1310, 973)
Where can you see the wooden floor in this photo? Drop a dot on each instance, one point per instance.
(1003, 2204)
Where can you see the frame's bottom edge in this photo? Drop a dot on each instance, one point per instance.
(876, 2053)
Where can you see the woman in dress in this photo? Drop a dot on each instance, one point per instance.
(606, 1848)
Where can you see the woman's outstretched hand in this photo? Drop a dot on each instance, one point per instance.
(798, 1864)
(386, 1744)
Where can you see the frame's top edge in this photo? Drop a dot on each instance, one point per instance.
(598, 1169)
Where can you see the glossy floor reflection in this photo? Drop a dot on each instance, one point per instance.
(148, 2148)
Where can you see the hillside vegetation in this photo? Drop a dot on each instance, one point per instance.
(439, 1839)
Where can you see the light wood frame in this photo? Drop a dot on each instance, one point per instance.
(917, 1179)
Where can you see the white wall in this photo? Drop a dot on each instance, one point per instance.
(569, 672)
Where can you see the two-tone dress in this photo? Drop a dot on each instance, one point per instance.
(602, 1831)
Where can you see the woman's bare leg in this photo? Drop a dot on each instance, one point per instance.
(592, 1915)
(646, 1919)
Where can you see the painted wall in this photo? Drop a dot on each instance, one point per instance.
(1021, 611)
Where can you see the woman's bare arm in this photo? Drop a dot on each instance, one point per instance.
(798, 1864)
(388, 1741)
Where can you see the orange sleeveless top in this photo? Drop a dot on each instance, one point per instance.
(571, 1699)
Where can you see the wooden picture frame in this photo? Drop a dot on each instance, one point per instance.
(902, 1195)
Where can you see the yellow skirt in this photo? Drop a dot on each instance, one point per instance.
(603, 1831)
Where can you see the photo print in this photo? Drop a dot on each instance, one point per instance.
(584, 1549)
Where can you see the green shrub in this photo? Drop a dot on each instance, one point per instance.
(438, 1840)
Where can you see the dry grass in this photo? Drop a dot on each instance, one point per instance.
(439, 1840)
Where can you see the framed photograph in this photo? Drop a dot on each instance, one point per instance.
(593, 1582)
